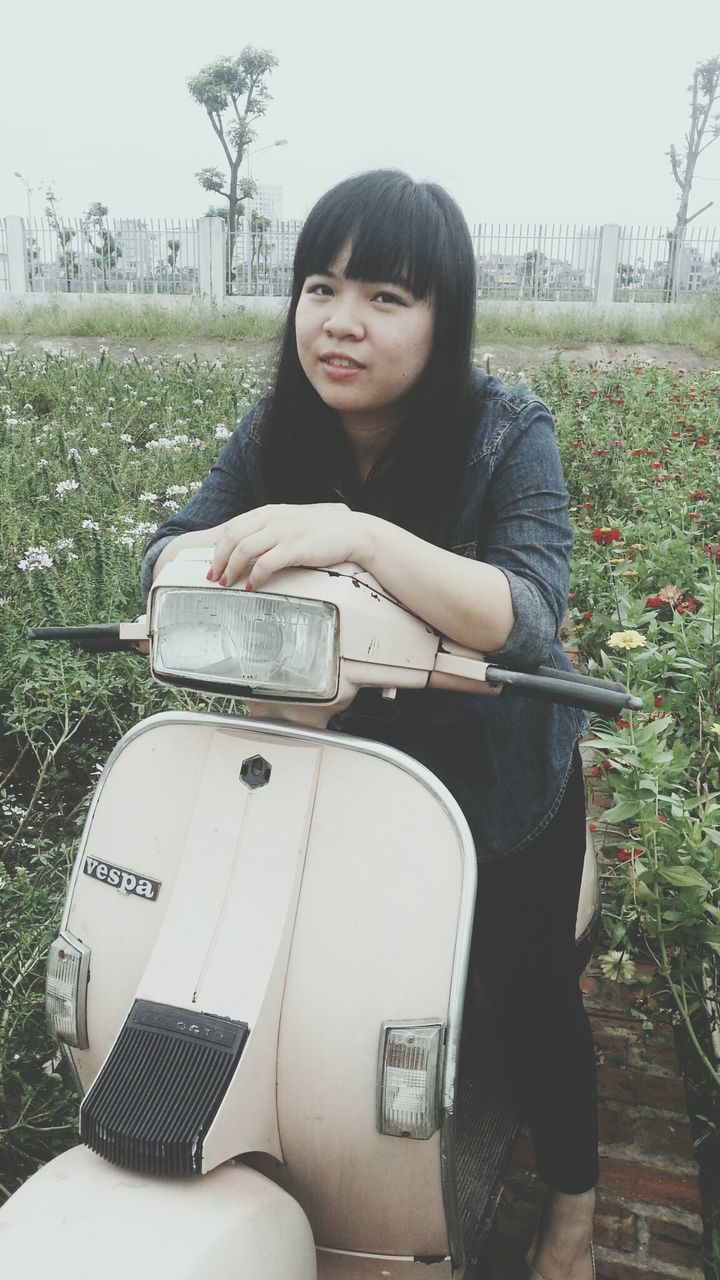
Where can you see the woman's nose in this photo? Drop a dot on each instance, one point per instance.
(344, 321)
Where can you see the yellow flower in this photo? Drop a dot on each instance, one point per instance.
(618, 559)
(629, 573)
(626, 640)
(715, 729)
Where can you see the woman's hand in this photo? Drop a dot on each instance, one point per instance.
(261, 542)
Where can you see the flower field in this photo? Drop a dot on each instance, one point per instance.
(95, 453)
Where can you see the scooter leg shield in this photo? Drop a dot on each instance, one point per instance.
(79, 1218)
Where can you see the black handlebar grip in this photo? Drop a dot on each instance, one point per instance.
(604, 700)
(100, 637)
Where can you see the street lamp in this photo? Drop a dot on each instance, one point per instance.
(29, 190)
(281, 142)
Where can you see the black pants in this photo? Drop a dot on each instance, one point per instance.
(523, 954)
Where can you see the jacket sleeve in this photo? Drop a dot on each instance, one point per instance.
(233, 486)
(527, 535)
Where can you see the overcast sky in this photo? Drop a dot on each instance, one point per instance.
(528, 111)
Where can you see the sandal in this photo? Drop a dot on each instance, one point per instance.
(535, 1275)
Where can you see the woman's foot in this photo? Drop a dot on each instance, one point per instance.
(561, 1248)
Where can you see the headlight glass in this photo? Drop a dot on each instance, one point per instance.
(409, 1079)
(246, 642)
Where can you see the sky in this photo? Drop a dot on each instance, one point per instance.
(534, 111)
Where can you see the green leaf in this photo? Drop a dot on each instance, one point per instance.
(622, 811)
(684, 877)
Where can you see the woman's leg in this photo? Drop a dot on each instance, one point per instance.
(524, 955)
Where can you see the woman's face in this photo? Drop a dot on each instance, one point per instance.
(363, 345)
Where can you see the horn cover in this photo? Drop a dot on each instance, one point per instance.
(155, 1097)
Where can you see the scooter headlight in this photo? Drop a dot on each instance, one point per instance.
(242, 643)
(410, 1065)
(66, 990)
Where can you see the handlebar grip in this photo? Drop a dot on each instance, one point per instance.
(591, 697)
(578, 677)
(100, 637)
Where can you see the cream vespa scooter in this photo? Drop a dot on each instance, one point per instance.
(260, 972)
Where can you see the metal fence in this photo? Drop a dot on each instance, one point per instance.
(537, 262)
(515, 262)
(131, 255)
(4, 273)
(656, 266)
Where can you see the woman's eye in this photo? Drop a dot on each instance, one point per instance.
(385, 296)
(320, 290)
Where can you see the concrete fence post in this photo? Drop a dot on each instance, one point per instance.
(17, 255)
(607, 267)
(211, 260)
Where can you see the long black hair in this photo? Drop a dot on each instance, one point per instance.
(401, 232)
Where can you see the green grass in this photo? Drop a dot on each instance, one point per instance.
(695, 326)
(146, 322)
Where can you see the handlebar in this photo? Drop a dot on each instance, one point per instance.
(100, 637)
(567, 687)
(570, 688)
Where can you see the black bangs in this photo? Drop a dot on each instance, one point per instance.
(396, 229)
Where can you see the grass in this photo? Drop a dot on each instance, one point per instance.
(695, 326)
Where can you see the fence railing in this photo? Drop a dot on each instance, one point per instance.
(537, 262)
(525, 262)
(656, 266)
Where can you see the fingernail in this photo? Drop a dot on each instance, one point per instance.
(210, 575)
(248, 586)
(223, 581)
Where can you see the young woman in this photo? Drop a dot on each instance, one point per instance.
(382, 445)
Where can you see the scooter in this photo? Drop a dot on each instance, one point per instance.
(260, 974)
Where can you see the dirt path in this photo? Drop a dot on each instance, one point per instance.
(505, 356)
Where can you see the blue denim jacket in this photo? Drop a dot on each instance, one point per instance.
(505, 759)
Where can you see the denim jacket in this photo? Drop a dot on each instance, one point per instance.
(505, 759)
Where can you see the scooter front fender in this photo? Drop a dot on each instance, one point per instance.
(80, 1217)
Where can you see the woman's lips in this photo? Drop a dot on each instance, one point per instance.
(340, 368)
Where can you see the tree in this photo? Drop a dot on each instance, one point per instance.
(260, 249)
(67, 257)
(234, 94)
(105, 249)
(703, 131)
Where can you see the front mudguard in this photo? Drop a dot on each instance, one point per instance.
(80, 1217)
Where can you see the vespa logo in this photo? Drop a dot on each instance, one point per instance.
(124, 881)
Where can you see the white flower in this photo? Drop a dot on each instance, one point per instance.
(36, 558)
(199, 403)
(4, 600)
(126, 540)
(92, 450)
(103, 350)
(148, 497)
(171, 506)
(73, 455)
(221, 432)
(42, 462)
(65, 486)
(126, 439)
(176, 491)
(64, 544)
(91, 524)
(106, 424)
(195, 485)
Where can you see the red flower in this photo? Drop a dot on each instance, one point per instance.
(691, 605)
(627, 855)
(712, 549)
(702, 440)
(699, 496)
(598, 452)
(693, 515)
(657, 700)
(642, 453)
(623, 724)
(587, 506)
(592, 826)
(605, 536)
(654, 602)
(587, 615)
